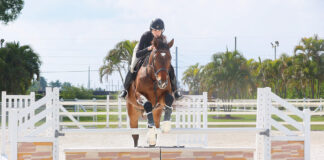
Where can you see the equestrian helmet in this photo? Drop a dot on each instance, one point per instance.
(157, 24)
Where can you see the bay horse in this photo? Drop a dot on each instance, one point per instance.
(151, 91)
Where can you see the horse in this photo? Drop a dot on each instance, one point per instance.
(151, 91)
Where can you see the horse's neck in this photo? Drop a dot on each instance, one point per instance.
(149, 72)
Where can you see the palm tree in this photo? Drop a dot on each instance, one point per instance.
(312, 47)
(191, 77)
(254, 68)
(285, 73)
(231, 76)
(118, 59)
(18, 66)
(321, 74)
(207, 81)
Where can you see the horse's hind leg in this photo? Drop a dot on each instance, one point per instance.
(133, 121)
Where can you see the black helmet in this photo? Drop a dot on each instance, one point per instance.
(157, 24)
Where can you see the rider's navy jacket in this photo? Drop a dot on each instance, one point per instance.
(144, 43)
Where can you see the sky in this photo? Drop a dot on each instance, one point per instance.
(72, 35)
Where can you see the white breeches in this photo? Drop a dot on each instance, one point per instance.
(134, 59)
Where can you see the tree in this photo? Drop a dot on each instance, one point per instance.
(312, 47)
(232, 73)
(191, 77)
(253, 67)
(66, 85)
(57, 83)
(118, 59)
(19, 65)
(285, 73)
(10, 9)
(228, 76)
(39, 85)
(71, 92)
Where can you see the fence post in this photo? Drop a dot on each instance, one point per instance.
(119, 113)
(267, 125)
(307, 128)
(56, 121)
(94, 117)
(205, 115)
(13, 133)
(263, 144)
(107, 109)
(3, 122)
(76, 109)
(32, 100)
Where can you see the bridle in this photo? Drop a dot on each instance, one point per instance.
(153, 66)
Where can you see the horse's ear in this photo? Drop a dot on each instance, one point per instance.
(170, 44)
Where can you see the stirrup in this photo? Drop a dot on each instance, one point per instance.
(123, 94)
(177, 95)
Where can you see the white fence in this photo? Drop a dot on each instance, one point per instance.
(22, 121)
(117, 108)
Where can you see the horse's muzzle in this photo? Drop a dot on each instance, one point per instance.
(162, 84)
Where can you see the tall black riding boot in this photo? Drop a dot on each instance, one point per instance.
(128, 80)
(177, 94)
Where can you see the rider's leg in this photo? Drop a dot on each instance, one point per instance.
(130, 75)
(177, 94)
(127, 83)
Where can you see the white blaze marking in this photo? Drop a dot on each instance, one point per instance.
(163, 54)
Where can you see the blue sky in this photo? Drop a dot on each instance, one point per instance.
(72, 35)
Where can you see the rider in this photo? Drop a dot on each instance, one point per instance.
(144, 48)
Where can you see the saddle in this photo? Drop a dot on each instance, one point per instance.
(142, 61)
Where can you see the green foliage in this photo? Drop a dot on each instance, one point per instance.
(71, 92)
(57, 83)
(19, 65)
(39, 85)
(118, 59)
(229, 75)
(10, 9)
(191, 77)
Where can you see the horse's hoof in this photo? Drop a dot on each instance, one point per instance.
(151, 136)
(166, 126)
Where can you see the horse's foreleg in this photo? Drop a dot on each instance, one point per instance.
(151, 134)
(168, 107)
(133, 121)
(142, 100)
(166, 124)
(157, 117)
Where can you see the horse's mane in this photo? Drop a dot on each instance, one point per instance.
(160, 42)
(146, 60)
